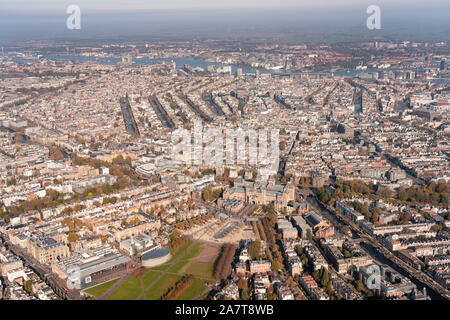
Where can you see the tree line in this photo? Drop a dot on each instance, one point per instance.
(433, 193)
(174, 292)
(222, 265)
(176, 240)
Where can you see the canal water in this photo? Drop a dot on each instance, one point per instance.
(194, 62)
(127, 117)
(358, 103)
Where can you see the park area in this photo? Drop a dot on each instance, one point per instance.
(100, 289)
(192, 258)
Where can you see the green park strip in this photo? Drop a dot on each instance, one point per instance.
(100, 289)
(129, 290)
(175, 255)
(149, 277)
(194, 290)
(162, 286)
(193, 252)
(203, 270)
(179, 251)
(133, 287)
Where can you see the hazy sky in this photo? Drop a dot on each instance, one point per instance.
(45, 19)
(25, 6)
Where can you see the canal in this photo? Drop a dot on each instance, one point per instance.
(127, 117)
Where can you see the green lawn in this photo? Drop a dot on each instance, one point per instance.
(203, 296)
(179, 251)
(100, 289)
(176, 268)
(129, 290)
(149, 277)
(133, 287)
(194, 290)
(161, 286)
(160, 268)
(175, 256)
(193, 252)
(200, 269)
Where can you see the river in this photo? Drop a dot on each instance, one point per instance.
(195, 62)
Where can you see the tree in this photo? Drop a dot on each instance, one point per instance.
(305, 261)
(324, 195)
(242, 284)
(175, 291)
(366, 212)
(346, 253)
(316, 275)
(436, 227)
(244, 294)
(72, 237)
(275, 264)
(324, 278)
(28, 286)
(309, 234)
(69, 222)
(11, 182)
(384, 192)
(359, 285)
(222, 265)
(254, 250)
(305, 182)
(271, 295)
(207, 193)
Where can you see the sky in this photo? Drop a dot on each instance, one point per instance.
(36, 6)
(46, 19)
